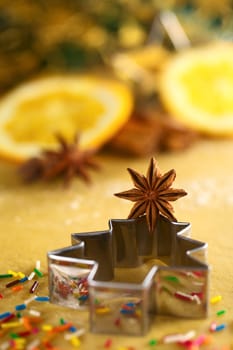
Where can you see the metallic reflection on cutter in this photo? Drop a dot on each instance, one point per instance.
(167, 271)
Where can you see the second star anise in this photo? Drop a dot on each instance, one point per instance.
(152, 194)
(67, 161)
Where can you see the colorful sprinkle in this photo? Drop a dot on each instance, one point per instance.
(24, 279)
(6, 275)
(20, 307)
(42, 298)
(73, 329)
(27, 325)
(127, 311)
(200, 340)
(8, 318)
(171, 279)
(220, 327)
(47, 327)
(18, 343)
(62, 327)
(13, 273)
(187, 297)
(38, 272)
(24, 333)
(11, 324)
(16, 288)
(5, 314)
(29, 300)
(34, 313)
(31, 276)
(152, 342)
(20, 275)
(62, 321)
(173, 338)
(75, 341)
(215, 299)
(108, 343)
(213, 327)
(34, 287)
(220, 312)
(102, 310)
(117, 322)
(12, 283)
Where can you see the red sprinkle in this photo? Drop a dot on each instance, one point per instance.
(24, 333)
(183, 296)
(34, 286)
(117, 322)
(199, 294)
(108, 343)
(50, 346)
(6, 319)
(12, 283)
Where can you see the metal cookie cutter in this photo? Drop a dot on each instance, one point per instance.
(126, 275)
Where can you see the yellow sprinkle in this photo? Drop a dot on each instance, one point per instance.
(122, 348)
(46, 327)
(216, 299)
(75, 341)
(19, 345)
(102, 310)
(21, 274)
(11, 324)
(20, 340)
(12, 273)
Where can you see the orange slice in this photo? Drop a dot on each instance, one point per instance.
(34, 112)
(196, 87)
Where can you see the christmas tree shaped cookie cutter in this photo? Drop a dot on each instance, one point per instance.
(127, 275)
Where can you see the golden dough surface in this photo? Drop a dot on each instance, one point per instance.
(40, 217)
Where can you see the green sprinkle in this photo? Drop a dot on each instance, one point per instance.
(220, 312)
(6, 275)
(153, 342)
(62, 321)
(171, 278)
(39, 273)
(14, 335)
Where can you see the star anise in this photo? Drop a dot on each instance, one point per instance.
(152, 194)
(67, 161)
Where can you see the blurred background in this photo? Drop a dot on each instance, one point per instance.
(56, 35)
(45, 37)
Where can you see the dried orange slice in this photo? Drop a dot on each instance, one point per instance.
(197, 88)
(34, 112)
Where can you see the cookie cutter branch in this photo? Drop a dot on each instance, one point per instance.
(125, 276)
